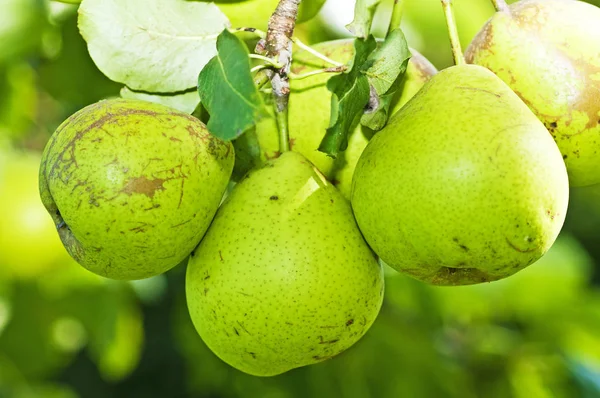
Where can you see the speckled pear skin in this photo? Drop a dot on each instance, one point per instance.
(283, 277)
(548, 52)
(464, 185)
(310, 109)
(132, 186)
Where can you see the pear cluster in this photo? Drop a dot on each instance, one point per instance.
(467, 183)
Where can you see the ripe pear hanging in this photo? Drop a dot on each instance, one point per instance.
(548, 52)
(283, 278)
(464, 185)
(132, 186)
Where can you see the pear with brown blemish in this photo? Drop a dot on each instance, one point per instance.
(464, 185)
(283, 277)
(548, 52)
(132, 186)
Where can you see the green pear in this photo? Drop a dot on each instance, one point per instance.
(283, 277)
(29, 246)
(548, 52)
(132, 186)
(464, 185)
(309, 114)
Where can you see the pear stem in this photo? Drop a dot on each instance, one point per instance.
(396, 15)
(270, 62)
(284, 135)
(335, 69)
(261, 78)
(314, 52)
(500, 5)
(278, 45)
(459, 58)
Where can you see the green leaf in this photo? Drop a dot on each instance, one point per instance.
(350, 95)
(184, 101)
(364, 10)
(227, 89)
(158, 46)
(384, 68)
(387, 62)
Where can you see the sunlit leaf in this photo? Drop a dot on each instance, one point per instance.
(158, 46)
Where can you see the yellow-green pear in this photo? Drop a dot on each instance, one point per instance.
(29, 245)
(283, 277)
(548, 52)
(132, 186)
(464, 185)
(309, 113)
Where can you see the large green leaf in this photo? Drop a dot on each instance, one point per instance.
(157, 46)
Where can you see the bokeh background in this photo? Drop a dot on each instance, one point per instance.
(65, 333)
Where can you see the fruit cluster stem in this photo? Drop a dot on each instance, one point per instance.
(284, 135)
(500, 5)
(279, 46)
(459, 58)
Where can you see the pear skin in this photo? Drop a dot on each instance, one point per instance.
(548, 52)
(464, 185)
(132, 186)
(283, 277)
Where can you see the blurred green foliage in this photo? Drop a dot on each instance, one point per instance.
(65, 333)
